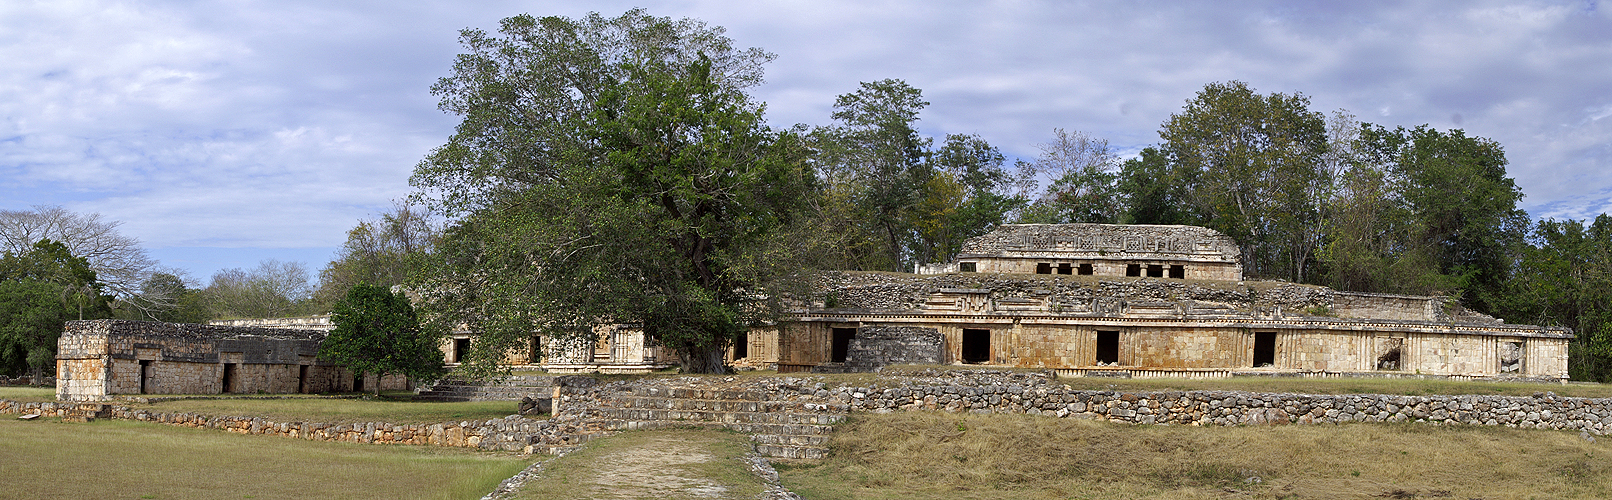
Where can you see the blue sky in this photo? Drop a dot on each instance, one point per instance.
(225, 133)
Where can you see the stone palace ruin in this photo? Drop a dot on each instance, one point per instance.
(1142, 301)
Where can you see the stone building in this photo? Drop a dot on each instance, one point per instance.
(1138, 301)
(99, 359)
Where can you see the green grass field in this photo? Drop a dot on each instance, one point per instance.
(49, 459)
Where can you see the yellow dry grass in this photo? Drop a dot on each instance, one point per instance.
(934, 455)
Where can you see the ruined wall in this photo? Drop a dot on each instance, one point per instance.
(102, 358)
(876, 346)
(1105, 241)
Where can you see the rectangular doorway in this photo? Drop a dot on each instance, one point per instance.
(460, 347)
(228, 384)
(1264, 349)
(842, 344)
(145, 373)
(1178, 271)
(1107, 348)
(976, 345)
(741, 346)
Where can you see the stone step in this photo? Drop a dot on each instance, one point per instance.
(663, 403)
(818, 441)
(689, 393)
(721, 417)
(795, 452)
(769, 429)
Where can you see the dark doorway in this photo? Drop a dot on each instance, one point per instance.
(976, 345)
(145, 373)
(1155, 271)
(228, 384)
(1107, 348)
(1133, 269)
(1264, 349)
(967, 267)
(302, 379)
(1065, 268)
(1178, 272)
(460, 347)
(842, 344)
(1085, 270)
(1043, 268)
(535, 355)
(358, 382)
(741, 346)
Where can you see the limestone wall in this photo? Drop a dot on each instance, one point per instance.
(101, 358)
(876, 346)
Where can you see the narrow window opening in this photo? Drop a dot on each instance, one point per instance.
(1178, 271)
(145, 373)
(1065, 268)
(976, 345)
(1108, 348)
(1133, 269)
(460, 348)
(967, 267)
(228, 384)
(1264, 349)
(1043, 268)
(842, 344)
(1085, 270)
(302, 379)
(1155, 271)
(741, 346)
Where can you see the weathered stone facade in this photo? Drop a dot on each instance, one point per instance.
(1199, 325)
(1181, 252)
(99, 359)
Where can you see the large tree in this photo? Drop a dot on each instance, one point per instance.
(608, 171)
(377, 332)
(382, 252)
(1257, 165)
(39, 291)
(273, 289)
(117, 259)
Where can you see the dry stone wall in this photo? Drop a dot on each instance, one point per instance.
(896, 292)
(877, 346)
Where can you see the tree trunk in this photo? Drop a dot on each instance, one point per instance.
(703, 359)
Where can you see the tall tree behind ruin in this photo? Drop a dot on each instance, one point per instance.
(874, 161)
(383, 252)
(1257, 163)
(1085, 181)
(273, 289)
(39, 290)
(118, 260)
(609, 171)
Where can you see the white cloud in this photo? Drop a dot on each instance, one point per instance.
(277, 124)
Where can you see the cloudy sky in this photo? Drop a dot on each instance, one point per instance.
(224, 133)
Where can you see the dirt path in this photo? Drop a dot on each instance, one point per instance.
(660, 469)
(670, 464)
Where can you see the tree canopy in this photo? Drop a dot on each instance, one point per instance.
(609, 171)
(376, 331)
(39, 291)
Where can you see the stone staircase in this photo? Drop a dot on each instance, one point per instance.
(780, 429)
(510, 389)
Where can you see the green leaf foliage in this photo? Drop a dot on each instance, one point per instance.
(377, 332)
(609, 172)
(39, 291)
